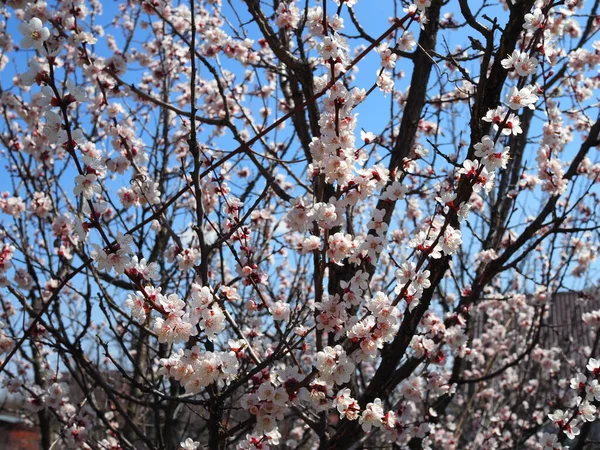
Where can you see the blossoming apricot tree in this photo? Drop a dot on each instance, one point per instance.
(217, 233)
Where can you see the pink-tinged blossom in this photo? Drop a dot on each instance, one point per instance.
(287, 15)
(213, 321)
(53, 126)
(329, 48)
(196, 368)
(173, 329)
(406, 272)
(6, 343)
(372, 416)
(87, 185)
(484, 148)
(128, 197)
(372, 247)
(341, 246)
(412, 388)
(171, 303)
(510, 124)
(395, 191)
(325, 252)
(37, 73)
(388, 58)
(407, 42)
(280, 311)
(148, 193)
(334, 365)
(491, 158)
(188, 258)
(309, 245)
(41, 204)
(109, 260)
(385, 82)
(559, 417)
(147, 271)
(451, 241)
(35, 399)
(578, 382)
(346, 405)
(137, 304)
(521, 98)
(13, 206)
(521, 63)
(326, 215)
(534, 20)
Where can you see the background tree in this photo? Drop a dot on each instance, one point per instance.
(218, 233)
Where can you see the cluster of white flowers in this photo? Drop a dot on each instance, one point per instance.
(77, 421)
(333, 365)
(394, 191)
(333, 48)
(413, 280)
(376, 329)
(287, 15)
(585, 404)
(301, 216)
(195, 368)
(334, 314)
(388, 57)
(434, 244)
(372, 415)
(521, 63)
(334, 153)
(551, 173)
(347, 406)
(177, 324)
(268, 404)
(554, 138)
(14, 206)
(117, 258)
(340, 247)
(510, 124)
(534, 20)
(188, 258)
(490, 158)
(40, 205)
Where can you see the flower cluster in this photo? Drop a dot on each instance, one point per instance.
(195, 368)
(268, 401)
(333, 365)
(177, 325)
